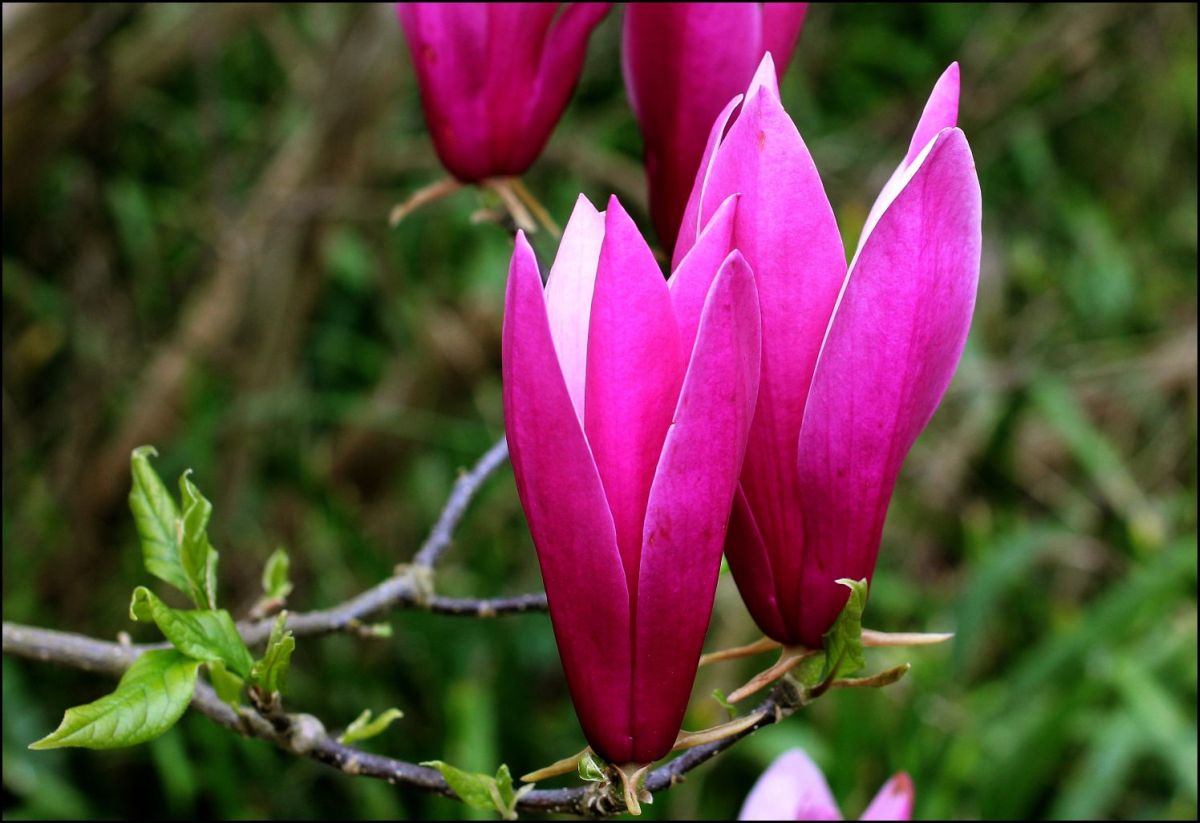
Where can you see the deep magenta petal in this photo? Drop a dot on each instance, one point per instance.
(782, 23)
(786, 229)
(495, 77)
(692, 279)
(690, 226)
(683, 62)
(568, 516)
(892, 349)
(689, 504)
(634, 370)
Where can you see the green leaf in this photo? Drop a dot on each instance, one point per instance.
(275, 581)
(719, 696)
(201, 634)
(198, 556)
(591, 768)
(158, 522)
(504, 785)
(227, 684)
(843, 642)
(811, 670)
(270, 672)
(152, 695)
(364, 727)
(476, 790)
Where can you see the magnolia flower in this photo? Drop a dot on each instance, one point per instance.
(793, 788)
(682, 62)
(627, 403)
(854, 360)
(495, 77)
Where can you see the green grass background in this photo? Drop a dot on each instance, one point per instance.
(195, 197)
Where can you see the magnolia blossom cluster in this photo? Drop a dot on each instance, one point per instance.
(761, 400)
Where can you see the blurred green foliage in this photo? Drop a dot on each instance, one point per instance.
(196, 254)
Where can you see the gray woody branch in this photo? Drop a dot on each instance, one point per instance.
(410, 587)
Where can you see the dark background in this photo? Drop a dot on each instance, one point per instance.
(196, 255)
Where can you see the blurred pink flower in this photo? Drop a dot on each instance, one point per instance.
(682, 62)
(793, 788)
(495, 77)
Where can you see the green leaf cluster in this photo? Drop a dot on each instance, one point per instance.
(156, 690)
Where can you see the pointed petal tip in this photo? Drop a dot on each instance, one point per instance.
(764, 78)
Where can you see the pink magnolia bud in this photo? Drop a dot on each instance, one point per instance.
(793, 788)
(627, 403)
(682, 62)
(495, 77)
(855, 360)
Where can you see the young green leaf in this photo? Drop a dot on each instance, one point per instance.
(270, 672)
(227, 684)
(364, 727)
(504, 786)
(201, 634)
(843, 641)
(275, 583)
(158, 522)
(197, 555)
(151, 696)
(590, 767)
(476, 790)
(719, 696)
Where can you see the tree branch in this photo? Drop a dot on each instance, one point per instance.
(305, 735)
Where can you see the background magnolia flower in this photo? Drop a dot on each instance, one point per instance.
(855, 361)
(682, 62)
(495, 77)
(793, 788)
(627, 403)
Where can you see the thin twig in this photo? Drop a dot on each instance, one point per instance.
(440, 536)
(302, 734)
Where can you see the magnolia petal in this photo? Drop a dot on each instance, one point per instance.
(688, 510)
(569, 295)
(682, 62)
(786, 229)
(557, 73)
(893, 802)
(892, 348)
(781, 29)
(693, 279)
(750, 564)
(690, 225)
(634, 371)
(792, 788)
(445, 42)
(568, 515)
(941, 112)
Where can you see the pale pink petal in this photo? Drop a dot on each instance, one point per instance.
(787, 232)
(569, 295)
(893, 802)
(692, 280)
(572, 529)
(892, 348)
(792, 788)
(689, 508)
(634, 370)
